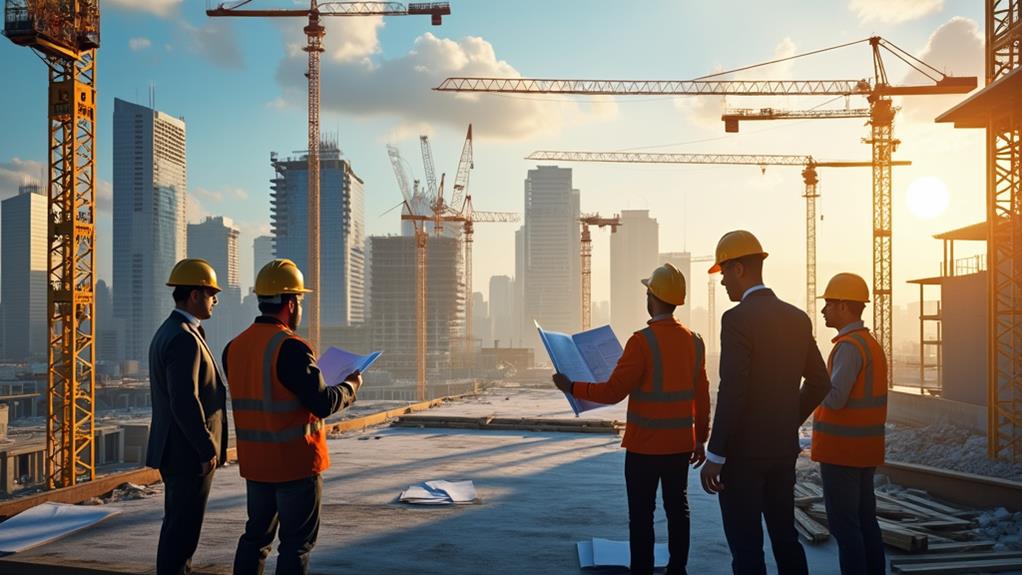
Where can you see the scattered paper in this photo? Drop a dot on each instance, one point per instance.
(336, 364)
(46, 522)
(607, 553)
(586, 356)
(440, 492)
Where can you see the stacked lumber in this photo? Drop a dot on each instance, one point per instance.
(911, 521)
(950, 563)
(510, 423)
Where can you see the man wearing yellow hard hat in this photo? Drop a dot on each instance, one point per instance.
(848, 428)
(279, 401)
(662, 372)
(766, 350)
(188, 435)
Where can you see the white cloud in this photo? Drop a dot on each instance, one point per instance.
(157, 7)
(139, 44)
(955, 48)
(217, 41)
(18, 172)
(894, 11)
(353, 83)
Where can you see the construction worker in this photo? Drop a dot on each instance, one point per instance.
(663, 374)
(766, 349)
(848, 428)
(188, 435)
(279, 401)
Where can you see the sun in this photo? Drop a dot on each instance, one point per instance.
(928, 197)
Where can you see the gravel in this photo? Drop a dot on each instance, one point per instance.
(947, 446)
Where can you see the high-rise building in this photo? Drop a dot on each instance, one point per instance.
(634, 250)
(393, 303)
(551, 269)
(108, 330)
(682, 261)
(150, 191)
(216, 241)
(502, 310)
(23, 264)
(262, 252)
(482, 330)
(342, 230)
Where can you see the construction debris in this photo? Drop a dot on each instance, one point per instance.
(440, 493)
(941, 564)
(511, 423)
(947, 446)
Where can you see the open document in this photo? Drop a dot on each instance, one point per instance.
(586, 356)
(336, 364)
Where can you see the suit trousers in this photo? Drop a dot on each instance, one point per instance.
(184, 506)
(756, 490)
(293, 507)
(852, 518)
(643, 473)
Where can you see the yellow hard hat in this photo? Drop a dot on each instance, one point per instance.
(280, 276)
(847, 287)
(193, 272)
(667, 284)
(736, 244)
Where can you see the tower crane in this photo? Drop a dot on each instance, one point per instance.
(314, 34)
(65, 35)
(733, 116)
(587, 253)
(809, 177)
(711, 302)
(878, 93)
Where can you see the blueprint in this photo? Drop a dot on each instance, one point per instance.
(588, 356)
(336, 364)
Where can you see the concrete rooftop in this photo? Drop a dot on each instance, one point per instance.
(540, 493)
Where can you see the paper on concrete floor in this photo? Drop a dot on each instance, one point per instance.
(607, 553)
(336, 364)
(46, 522)
(440, 492)
(586, 356)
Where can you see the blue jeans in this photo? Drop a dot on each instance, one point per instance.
(852, 518)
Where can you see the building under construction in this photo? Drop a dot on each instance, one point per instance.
(393, 304)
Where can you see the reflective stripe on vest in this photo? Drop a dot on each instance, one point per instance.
(868, 400)
(848, 430)
(269, 405)
(658, 395)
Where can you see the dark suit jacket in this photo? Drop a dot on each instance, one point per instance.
(766, 349)
(189, 398)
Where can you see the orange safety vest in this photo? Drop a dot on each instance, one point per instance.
(660, 412)
(278, 439)
(854, 435)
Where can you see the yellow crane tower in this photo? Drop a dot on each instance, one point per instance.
(878, 93)
(587, 252)
(809, 177)
(65, 35)
(314, 34)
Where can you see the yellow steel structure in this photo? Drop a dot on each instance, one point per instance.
(997, 108)
(65, 33)
(586, 252)
(809, 177)
(878, 93)
(314, 34)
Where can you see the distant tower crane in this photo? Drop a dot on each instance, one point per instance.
(809, 177)
(314, 33)
(587, 253)
(733, 116)
(878, 93)
(65, 35)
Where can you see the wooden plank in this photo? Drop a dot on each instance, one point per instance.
(899, 536)
(956, 567)
(808, 528)
(960, 546)
(949, 557)
(937, 519)
(961, 488)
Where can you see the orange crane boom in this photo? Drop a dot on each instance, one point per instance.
(878, 93)
(66, 37)
(809, 177)
(314, 33)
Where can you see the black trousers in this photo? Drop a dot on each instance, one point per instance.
(184, 506)
(852, 518)
(643, 473)
(292, 506)
(756, 490)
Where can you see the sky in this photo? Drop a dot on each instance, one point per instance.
(239, 85)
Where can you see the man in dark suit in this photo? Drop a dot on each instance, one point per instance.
(767, 349)
(188, 435)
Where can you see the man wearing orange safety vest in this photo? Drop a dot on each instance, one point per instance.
(663, 375)
(279, 402)
(848, 428)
